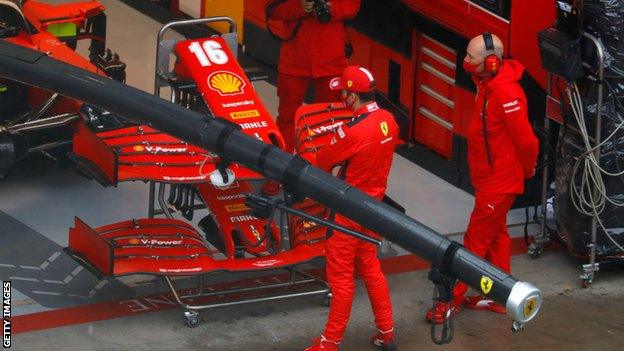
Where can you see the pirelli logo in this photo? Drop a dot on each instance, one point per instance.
(244, 114)
(236, 208)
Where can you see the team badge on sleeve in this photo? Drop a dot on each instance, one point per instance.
(384, 128)
(341, 133)
(511, 106)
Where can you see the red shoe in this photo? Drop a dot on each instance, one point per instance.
(384, 341)
(438, 313)
(481, 302)
(321, 343)
(271, 187)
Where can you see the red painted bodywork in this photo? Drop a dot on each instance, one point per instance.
(41, 15)
(227, 90)
(142, 153)
(166, 247)
(315, 124)
(463, 18)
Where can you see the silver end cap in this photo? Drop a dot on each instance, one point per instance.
(524, 302)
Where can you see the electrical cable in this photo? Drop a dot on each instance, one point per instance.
(590, 196)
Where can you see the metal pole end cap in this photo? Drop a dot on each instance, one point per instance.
(524, 302)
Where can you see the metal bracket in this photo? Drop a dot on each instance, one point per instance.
(516, 327)
(587, 277)
(536, 248)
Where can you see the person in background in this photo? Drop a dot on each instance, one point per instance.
(502, 153)
(313, 53)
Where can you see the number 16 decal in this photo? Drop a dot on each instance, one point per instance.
(208, 53)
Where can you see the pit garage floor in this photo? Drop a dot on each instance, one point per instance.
(57, 305)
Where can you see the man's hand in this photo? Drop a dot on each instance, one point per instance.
(532, 173)
(307, 6)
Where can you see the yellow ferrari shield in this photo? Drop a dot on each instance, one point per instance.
(384, 128)
(529, 306)
(486, 284)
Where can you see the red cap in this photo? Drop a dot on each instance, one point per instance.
(354, 78)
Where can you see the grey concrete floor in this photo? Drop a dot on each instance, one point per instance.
(572, 318)
(46, 199)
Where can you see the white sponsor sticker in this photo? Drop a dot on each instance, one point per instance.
(238, 103)
(161, 242)
(341, 133)
(243, 218)
(509, 104)
(386, 140)
(185, 179)
(179, 270)
(266, 263)
(157, 149)
(372, 107)
(230, 197)
(254, 125)
(323, 129)
(513, 110)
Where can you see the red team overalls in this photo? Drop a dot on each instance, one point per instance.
(365, 146)
(498, 169)
(313, 56)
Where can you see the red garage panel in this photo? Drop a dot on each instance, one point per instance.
(435, 92)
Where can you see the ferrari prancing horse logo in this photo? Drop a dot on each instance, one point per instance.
(486, 284)
(384, 128)
(529, 306)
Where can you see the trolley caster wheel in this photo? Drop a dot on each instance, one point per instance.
(586, 283)
(192, 319)
(327, 299)
(192, 322)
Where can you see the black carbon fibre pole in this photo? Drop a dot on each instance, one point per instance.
(34, 68)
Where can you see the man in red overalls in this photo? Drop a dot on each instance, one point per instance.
(502, 152)
(364, 147)
(314, 54)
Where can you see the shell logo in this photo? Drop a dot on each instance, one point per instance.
(226, 83)
(308, 224)
(138, 148)
(134, 241)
